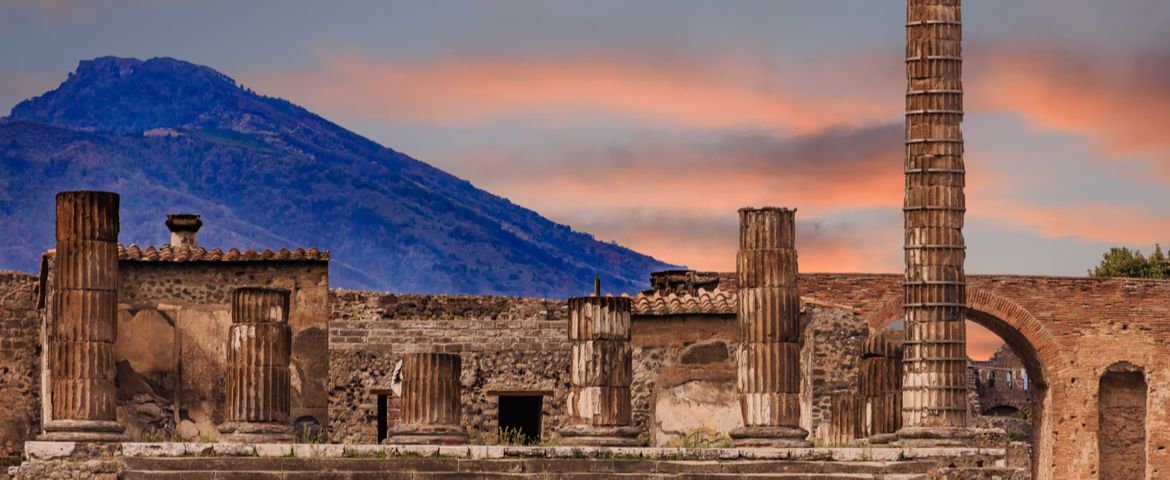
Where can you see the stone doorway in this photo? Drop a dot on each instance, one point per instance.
(1121, 434)
(520, 416)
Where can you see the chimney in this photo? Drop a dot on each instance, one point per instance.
(183, 227)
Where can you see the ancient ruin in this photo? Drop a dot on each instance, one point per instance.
(600, 372)
(259, 346)
(120, 361)
(430, 400)
(82, 329)
(769, 330)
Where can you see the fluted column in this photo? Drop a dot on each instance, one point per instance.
(83, 329)
(880, 385)
(934, 385)
(258, 390)
(769, 330)
(600, 372)
(431, 408)
(844, 419)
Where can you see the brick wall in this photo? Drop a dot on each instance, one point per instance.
(20, 418)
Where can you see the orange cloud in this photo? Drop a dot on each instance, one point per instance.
(701, 91)
(1122, 102)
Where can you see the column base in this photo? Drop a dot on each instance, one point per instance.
(83, 431)
(882, 438)
(935, 437)
(599, 436)
(256, 432)
(770, 437)
(428, 435)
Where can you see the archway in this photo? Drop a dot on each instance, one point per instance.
(1028, 339)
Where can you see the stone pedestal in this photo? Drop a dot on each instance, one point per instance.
(431, 407)
(769, 330)
(934, 386)
(83, 327)
(880, 387)
(258, 390)
(600, 373)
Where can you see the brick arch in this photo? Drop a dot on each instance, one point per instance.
(1031, 341)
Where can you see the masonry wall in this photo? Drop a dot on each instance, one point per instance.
(1070, 329)
(830, 361)
(173, 320)
(19, 364)
(684, 377)
(508, 345)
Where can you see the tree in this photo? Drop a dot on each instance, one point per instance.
(1123, 262)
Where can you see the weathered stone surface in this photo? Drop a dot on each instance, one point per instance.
(601, 371)
(431, 410)
(934, 384)
(259, 347)
(20, 413)
(768, 370)
(83, 326)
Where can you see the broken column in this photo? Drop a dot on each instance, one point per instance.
(431, 408)
(769, 330)
(258, 390)
(880, 386)
(600, 372)
(83, 328)
(934, 387)
(844, 421)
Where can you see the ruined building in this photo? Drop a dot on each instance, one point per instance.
(178, 361)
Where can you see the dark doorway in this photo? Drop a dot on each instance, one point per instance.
(383, 423)
(520, 416)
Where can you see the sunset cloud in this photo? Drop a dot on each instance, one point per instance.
(701, 91)
(1122, 102)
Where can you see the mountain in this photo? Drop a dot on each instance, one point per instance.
(172, 136)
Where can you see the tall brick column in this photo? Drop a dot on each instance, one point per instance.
(84, 324)
(934, 409)
(880, 385)
(769, 330)
(600, 372)
(258, 390)
(431, 408)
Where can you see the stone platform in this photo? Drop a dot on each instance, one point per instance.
(304, 461)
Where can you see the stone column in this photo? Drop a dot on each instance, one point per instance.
(258, 390)
(431, 407)
(934, 409)
(880, 385)
(844, 421)
(600, 372)
(769, 330)
(84, 325)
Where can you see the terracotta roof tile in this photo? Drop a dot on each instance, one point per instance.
(167, 253)
(703, 302)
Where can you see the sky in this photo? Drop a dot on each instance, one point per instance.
(649, 123)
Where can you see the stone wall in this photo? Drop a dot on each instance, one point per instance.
(684, 376)
(173, 319)
(19, 364)
(830, 360)
(508, 345)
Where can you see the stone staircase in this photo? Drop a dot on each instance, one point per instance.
(230, 468)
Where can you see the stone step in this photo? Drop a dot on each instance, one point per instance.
(516, 466)
(264, 475)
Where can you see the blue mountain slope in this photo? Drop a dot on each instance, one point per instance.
(173, 136)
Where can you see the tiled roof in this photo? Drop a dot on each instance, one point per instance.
(168, 253)
(714, 302)
(717, 302)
